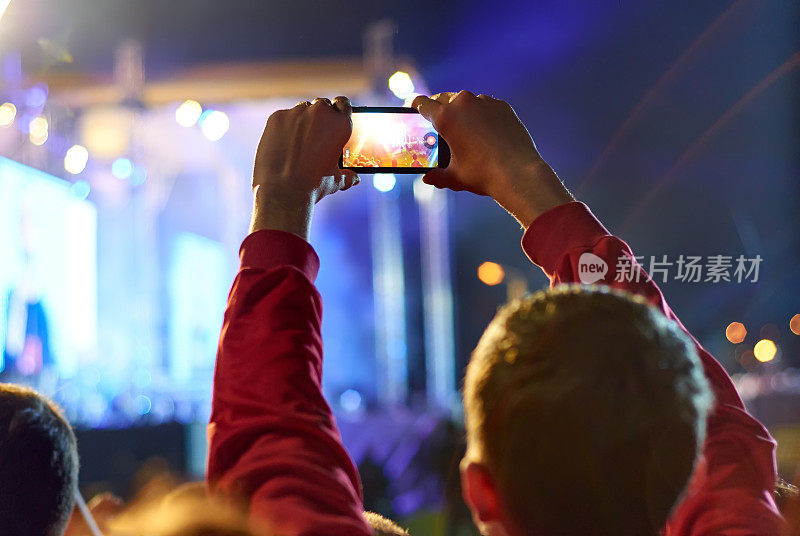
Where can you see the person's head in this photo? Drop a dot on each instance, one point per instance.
(382, 526)
(585, 410)
(38, 464)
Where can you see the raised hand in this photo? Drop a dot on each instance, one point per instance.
(297, 163)
(492, 154)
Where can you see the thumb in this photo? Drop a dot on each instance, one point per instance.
(349, 178)
(444, 178)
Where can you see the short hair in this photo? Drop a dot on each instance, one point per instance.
(382, 526)
(38, 464)
(588, 407)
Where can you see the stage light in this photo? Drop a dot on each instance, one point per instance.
(188, 113)
(794, 324)
(384, 182)
(401, 85)
(80, 189)
(76, 159)
(765, 350)
(491, 273)
(7, 114)
(214, 124)
(735, 332)
(122, 168)
(38, 130)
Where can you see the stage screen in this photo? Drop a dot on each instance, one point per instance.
(48, 276)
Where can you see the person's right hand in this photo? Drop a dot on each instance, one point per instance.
(492, 154)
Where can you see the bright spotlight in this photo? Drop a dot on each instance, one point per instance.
(765, 350)
(188, 113)
(76, 159)
(384, 182)
(491, 273)
(214, 124)
(122, 168)
(401, 85)
(7, 113)
(38, 130)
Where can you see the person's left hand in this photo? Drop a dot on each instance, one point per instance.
(297, 163)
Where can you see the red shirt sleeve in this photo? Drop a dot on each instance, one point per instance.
(731, 490)
(273, 441)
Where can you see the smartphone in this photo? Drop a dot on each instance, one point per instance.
(393, 139)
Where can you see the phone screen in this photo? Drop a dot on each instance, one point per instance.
(400, 138)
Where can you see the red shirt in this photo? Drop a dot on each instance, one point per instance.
(274, 442)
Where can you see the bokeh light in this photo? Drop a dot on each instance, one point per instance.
(214, 124)
(736, 332)
(122, 168)
(794, 324)
(188, 113)
(401, 85)
(76, 159)
(350, 400)
(491, 273)
(38, 130)
(106, 131)
(384, 182)
(80, 189)
(7, 114)
(765, 350)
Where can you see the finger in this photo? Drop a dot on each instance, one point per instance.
(323, 100)
(349, 179)
(443, 178)
(302, 104)
(445, 97)
(428, 108)
(342, 104)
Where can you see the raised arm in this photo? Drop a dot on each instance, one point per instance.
(273, 441)
(493, 154)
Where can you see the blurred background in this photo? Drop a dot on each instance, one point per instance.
(127, 132)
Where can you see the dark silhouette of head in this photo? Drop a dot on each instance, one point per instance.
(38, 464)
(585, 411)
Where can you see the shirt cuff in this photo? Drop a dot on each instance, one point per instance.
(268, 248)
(558, 230)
